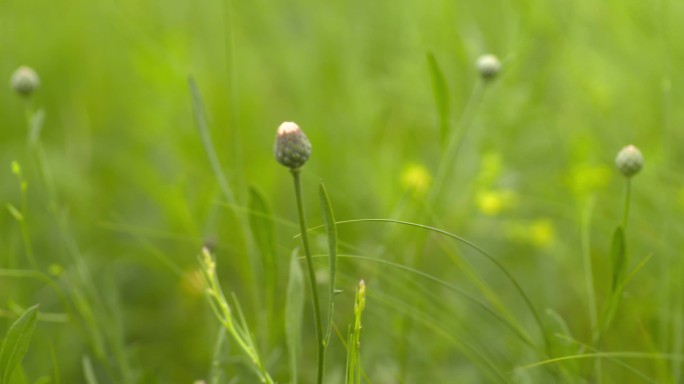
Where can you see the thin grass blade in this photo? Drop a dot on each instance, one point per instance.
(441, 93)
(331, 229)
(88, 371)
(618, 256)
(263, 231)
(294, 310)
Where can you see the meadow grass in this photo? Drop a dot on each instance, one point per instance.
(483, 211)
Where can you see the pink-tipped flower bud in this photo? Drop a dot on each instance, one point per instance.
(24, 81)
(292, 148)
(488, 66)
(629, 161)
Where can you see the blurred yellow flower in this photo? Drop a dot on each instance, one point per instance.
(542, 233)
(539, 232)
(417, 179)
(493, 202)
(586, 179)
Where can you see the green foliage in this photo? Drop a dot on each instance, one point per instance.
(124, 168)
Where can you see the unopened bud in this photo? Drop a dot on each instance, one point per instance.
(24, 81)
(629, 161)
(488, 66)
(292, 148)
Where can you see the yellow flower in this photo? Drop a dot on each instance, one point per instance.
(542, 233)
(493, 202)
(416, 179)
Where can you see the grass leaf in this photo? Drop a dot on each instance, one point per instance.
(16, 343)
(294, 309)
(263, 231)
(331, 229)
(441, 93)
(201, 120)
(88, 371)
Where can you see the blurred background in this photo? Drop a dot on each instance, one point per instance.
(127, 197)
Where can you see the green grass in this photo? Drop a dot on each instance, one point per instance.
(496, 239)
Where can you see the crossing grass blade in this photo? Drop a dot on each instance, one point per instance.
(16, 343)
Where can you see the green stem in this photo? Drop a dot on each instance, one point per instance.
(628, 193)
(312, 275)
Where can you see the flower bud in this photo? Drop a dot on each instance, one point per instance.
(24, 81)
(292, 148)
(629, 161)
(488, 65)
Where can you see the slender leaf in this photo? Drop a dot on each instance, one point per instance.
(294, 309)
(618, 256)
(263, 232)
(441, 93)
(88, 371)
(201, 120)
(36, 126)
(331, 228)
(16, 343)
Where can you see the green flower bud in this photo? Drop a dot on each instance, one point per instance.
(292, 148)
(488, 66)
(629, 161)
(24, 81)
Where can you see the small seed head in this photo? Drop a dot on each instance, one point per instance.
(488, 66)
(629, 161)
(24, 81)
(292, 148)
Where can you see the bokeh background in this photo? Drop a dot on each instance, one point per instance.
(533, 181)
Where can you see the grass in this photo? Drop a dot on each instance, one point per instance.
(496, 239)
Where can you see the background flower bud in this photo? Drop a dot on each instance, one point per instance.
(488, 66)
(292, 148)
(629, 161)
(24, 80)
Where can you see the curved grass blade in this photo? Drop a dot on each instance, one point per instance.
(617, 355)
(472, 245)
(331, 228)
(16, 343)
(519, 332)
(294, 310)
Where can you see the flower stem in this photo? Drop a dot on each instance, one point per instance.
(312, 275)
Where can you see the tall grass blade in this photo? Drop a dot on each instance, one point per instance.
(217, 362)
(441, 93)
(331, 229)
(263, 231)
(16, 343)
(618, 257)
(294, 312)
(201, 120)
